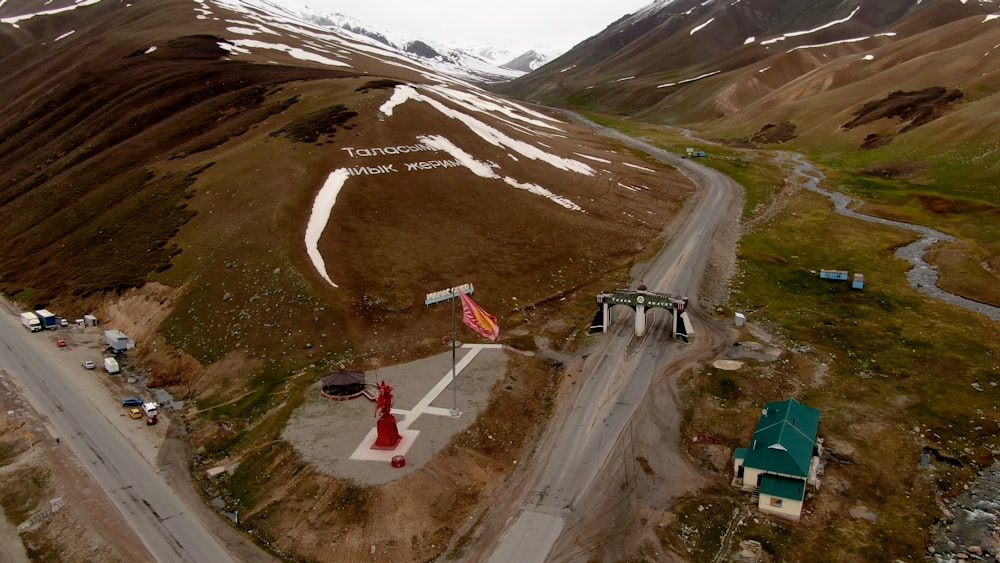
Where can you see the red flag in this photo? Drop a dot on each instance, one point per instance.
(477, 319)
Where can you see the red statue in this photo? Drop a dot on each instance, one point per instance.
(388, 435)
(383, 405)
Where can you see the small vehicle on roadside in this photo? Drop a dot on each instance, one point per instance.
(132, 402)
(135, 412)
(89, 364)
(61, 343)
(151, 420)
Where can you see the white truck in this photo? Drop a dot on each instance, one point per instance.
(31, 322)
(150, 410)
(111, 366)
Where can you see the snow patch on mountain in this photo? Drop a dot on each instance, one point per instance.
(686, 80)
(813, 30)
(475, 63)
(470, 102)
(701, 27)
(842, 41)
(14, 20)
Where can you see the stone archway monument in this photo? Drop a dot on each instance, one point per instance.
(639, 300)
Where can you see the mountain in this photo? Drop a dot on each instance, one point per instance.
(735, 68)
(477, 64)
(526, 62)
(257, 199)
(239, 103)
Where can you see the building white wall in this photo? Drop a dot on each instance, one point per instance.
(737, 481)
(750, 477)
(768, 504)
(782, 507)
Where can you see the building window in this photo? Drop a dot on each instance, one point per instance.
(776, 502)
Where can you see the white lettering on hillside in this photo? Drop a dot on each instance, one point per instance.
(432, 164)
(382, 151)
(410, 167)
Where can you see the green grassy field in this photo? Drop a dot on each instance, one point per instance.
(891, 370)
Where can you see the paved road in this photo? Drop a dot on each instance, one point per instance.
(616, 375)
(167, 527)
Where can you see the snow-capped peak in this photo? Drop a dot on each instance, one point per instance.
(471, 62)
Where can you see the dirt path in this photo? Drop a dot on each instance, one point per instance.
(559, 509)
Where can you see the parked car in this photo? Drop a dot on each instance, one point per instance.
(135, 412)
(89, 365)
(150, 420)
(61, 343)
(132, 402)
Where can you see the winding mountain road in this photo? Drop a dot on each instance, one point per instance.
(611, 386)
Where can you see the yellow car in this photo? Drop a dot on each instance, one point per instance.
(135, 412)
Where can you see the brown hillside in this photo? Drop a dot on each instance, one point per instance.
(259, 201)
(130, 144)
(161, 169)
(912, 108)
(77, 163)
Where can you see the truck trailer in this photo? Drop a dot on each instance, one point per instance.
(117, 341)
(48, 320)
(31, 322)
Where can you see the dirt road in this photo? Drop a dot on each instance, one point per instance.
(609, 429)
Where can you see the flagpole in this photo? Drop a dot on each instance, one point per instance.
(454, 376)
(451, 294)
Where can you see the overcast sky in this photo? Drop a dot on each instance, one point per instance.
(517, 25)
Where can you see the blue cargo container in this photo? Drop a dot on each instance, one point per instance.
(833, 274)
(47, 319)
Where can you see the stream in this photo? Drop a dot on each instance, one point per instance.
(922, 276)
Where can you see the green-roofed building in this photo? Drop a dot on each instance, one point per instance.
(781, 458)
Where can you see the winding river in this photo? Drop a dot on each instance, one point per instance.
(922, 276)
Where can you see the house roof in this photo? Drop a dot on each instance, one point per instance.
(784, 487)
(783, 441)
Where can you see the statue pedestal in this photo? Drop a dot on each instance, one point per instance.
(388, 434)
